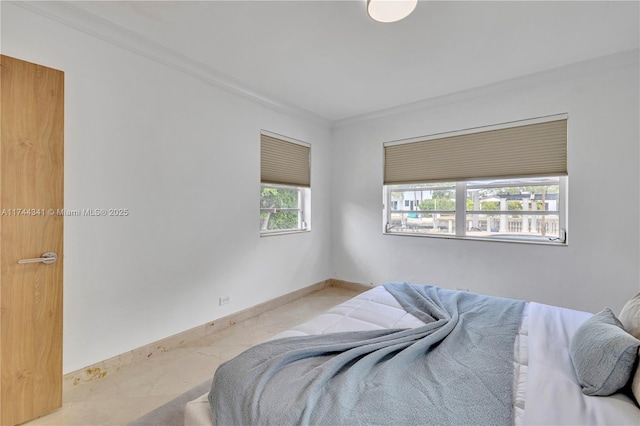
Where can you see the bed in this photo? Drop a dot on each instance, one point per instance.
(550, 367)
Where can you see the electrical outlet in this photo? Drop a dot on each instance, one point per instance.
(224, 300)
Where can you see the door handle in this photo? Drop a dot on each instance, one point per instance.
(47, 258)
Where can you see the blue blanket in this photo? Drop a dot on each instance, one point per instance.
(456, 369)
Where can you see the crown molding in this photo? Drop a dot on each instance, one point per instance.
(78, 19)
(594, 66)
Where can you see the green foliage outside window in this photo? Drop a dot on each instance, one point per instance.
(274, 199)
(495, 205)
(437, 204)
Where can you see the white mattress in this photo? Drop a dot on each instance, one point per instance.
(378, 309)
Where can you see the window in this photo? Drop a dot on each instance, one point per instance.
(285, 189)
(282, 208)
(515, 208)
(505, 209)
(506, 183)
(434, 213)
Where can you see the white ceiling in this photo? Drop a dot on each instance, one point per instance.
(330, 58)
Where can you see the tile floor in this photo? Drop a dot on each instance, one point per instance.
(134, 390)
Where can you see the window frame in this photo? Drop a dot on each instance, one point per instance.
(287, 177)
(461, 216)
(304, 195)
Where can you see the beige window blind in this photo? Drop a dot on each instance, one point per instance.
(283, 162)
(538, 149)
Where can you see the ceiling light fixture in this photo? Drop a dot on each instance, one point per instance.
(390, 10)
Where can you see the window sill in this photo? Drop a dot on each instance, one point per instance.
(294, 231)
(493, 240)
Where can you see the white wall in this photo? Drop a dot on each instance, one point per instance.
(183, 157)
(600, 265)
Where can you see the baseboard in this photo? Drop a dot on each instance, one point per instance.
(348, 285)
(199, 334)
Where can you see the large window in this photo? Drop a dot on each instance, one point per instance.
(507, 209)
(285, 189)
(499, 183)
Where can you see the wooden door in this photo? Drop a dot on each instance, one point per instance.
(31, 197)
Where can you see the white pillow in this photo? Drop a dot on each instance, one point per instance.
(630, 316)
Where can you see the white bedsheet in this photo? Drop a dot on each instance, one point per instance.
(540, 359)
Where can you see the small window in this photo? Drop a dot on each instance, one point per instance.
(282, 208)
(285, 190)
